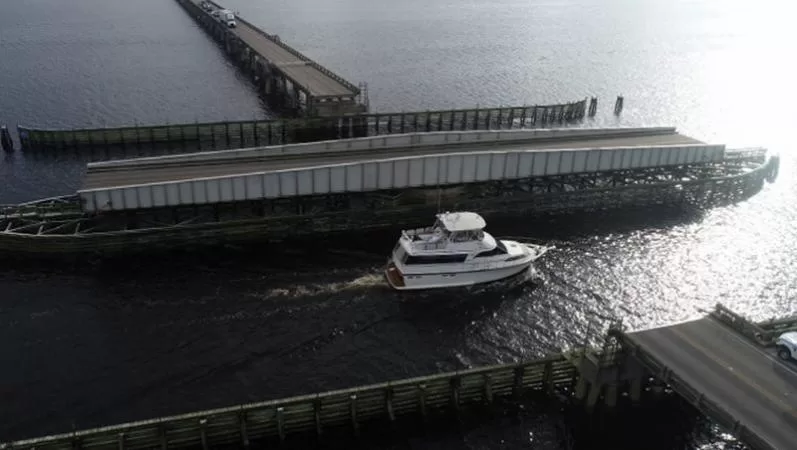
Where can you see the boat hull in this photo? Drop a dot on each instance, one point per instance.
(450, 280)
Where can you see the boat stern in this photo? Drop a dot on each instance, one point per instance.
(394, 276)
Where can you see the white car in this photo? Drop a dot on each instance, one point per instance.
(786, 345)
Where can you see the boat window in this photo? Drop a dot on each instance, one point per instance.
(499, 249)
(461, 236)
(435, 259)
(467, 236)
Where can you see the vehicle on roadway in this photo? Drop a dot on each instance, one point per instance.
(786, 345)
(227, 17)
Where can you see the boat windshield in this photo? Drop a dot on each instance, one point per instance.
(467, 236)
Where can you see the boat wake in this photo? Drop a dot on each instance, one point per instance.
(361, 283)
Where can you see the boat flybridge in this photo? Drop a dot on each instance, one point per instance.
(455, 251)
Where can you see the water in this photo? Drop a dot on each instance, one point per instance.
(167, 335)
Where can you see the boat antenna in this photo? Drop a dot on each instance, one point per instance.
(439, 190)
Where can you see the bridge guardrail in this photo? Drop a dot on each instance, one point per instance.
(763, 333)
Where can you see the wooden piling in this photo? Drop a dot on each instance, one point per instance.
(242, 419)
(5, 139)
(24, 138)
(593, 106)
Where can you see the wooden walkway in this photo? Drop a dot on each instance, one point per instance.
(726, 367)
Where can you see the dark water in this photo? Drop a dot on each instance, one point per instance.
(95, 343)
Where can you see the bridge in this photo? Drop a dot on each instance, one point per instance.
(378, 163)
(294, 80)
(726, 367)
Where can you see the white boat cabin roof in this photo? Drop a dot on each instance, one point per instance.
(461, 221)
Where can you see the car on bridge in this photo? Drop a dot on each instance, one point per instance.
(786, 345)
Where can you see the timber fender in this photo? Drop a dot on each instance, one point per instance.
(774, 168)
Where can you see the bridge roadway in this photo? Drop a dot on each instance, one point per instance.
(309, 78)
(107, 177)
(748, 381)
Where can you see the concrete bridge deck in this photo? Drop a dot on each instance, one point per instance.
(744, 379)
(155, 170)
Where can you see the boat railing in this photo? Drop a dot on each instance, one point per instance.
(417, 231)
(412, 237)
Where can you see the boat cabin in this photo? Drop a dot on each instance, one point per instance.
(454, 237)
(456, 227)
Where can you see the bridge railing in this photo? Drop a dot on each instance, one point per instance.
(312, 413)
(718, 414)
(764, 333)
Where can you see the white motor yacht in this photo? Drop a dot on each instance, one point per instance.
(456, 251)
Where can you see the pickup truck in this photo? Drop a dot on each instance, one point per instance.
(786, 345)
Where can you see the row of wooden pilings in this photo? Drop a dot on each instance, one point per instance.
(225, 135)
(191, 137)
(618, 106)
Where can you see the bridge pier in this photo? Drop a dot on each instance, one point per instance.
(602, 377)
